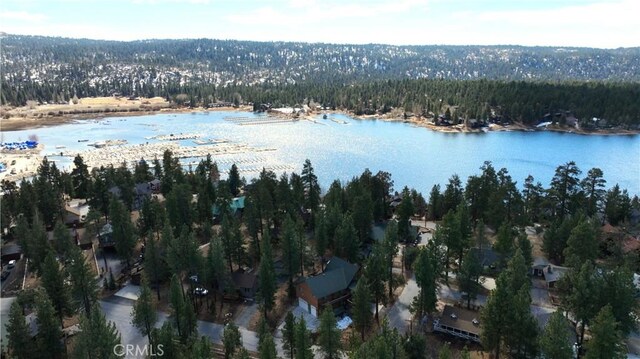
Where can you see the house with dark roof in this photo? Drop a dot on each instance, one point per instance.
(11, 252)
(552, 274)
(142, 191)
(76, 211)
(105, 236)
(331, 287)
(246, 283)
(459, 322)
(486, 256)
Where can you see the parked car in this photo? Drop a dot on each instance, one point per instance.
(201, 292)
(12, 263)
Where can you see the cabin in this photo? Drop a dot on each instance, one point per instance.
(11, 252)
(236, 206)
(105, 236)
(331, 287)
(552, 274)
(246, 283)
(460, 323)
(155, 185)
(142, 192)
(76, 211)
(487, 257)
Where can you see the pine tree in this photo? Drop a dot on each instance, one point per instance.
(607, 341)
(469, 276)
(53, 284)
(564, 187)
(302, 341)
(289, 334)
(311, 186)
(231, 340)
(49, 329)
(405, 211)
(123, 230)
(268, 285)
(582, 245)
(425, 302)
(346, 239)
(329, 334)
(291, 252)
(361, 311)
(144, 315)
(390, 244)
(554, 342)
(155, 267)
(494, 316)
(201, 349)
(62, 240)
(234, 180)
(84, 285)
(375, 274)
(20, 345)
(593, 187)
(178, 305)
(98, 337)
(266, 344)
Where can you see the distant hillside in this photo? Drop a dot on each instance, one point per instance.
(55, 68)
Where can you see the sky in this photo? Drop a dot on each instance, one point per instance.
(579, 23)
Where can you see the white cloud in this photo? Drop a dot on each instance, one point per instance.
(22, 16)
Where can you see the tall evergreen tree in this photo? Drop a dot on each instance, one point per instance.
(593, 188)
(469, 276)
(554, 342)
(425, 302)
(289, 334)
(607, 341)
(231, 340)
(290, 251)
(123, 230)
(268, 285)
(311, 186)
(144, 316)
(329, 335)
(20, 345)
(361, 311)
(266, 344)
(303, 341)
(375, 272)
(564, 188)
(84, 285)
(98, 337)
(53, 284)
(49, 329)
(582, 245)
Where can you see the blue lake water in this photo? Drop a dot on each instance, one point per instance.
(416, 157)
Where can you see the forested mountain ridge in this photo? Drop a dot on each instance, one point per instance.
(96, 67)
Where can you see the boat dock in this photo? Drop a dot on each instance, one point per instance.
(131, 153)
(264, 120)
(178, 137)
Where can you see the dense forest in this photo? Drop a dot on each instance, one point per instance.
(292, 218)
(520, 83)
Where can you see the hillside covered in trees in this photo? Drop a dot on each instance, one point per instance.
(519, 83)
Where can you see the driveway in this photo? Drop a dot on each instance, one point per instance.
(247, 312)
(399, 315)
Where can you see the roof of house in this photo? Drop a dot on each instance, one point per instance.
(553, 273)
(337, 276)
(11, 249)
(242, 279)
(79, 207)
(142, 189)
(485, 255)
(235, 204)
(461, 319)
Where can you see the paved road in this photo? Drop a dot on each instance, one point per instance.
(399, 314)
(5, 306)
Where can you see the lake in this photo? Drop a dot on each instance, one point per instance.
(342, 147)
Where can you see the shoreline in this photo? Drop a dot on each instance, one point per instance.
(40, 117)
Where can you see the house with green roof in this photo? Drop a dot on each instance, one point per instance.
(236, 206)
(331, 287)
